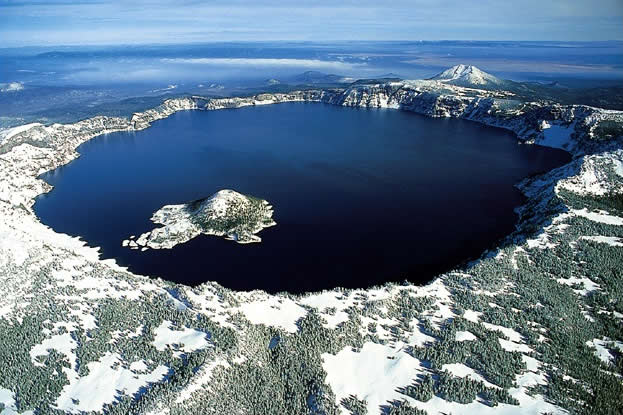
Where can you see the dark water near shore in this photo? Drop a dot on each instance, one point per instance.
(361, 197)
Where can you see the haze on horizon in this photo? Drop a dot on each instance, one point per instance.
(93, 22)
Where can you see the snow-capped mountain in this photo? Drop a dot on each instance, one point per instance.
(468, 76)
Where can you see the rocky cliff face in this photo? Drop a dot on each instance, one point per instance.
(496, 108)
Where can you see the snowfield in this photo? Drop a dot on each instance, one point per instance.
(557, 136)
(372, 374)
(187, 340)
(514, 329)
(272, 311)
(105, 381)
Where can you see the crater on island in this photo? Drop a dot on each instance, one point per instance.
(226, 213)
(363, 196)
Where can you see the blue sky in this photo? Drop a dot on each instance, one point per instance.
(54, 22)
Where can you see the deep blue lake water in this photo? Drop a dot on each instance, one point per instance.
(361, 197)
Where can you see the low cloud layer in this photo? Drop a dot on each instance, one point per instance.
(11, 87)
(267, 62)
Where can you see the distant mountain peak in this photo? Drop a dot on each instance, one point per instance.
(467, 75)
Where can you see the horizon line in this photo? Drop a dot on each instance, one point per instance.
(43, 45)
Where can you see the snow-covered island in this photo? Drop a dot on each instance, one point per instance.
(226, 213)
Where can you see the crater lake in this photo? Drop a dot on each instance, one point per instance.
(361, 196)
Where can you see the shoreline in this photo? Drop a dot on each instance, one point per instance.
(358, 97)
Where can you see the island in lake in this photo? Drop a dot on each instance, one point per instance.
(226, 213)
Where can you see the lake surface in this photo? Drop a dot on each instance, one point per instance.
(361, 196)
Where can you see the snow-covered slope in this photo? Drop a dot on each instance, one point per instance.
(468, 76)
(10, 132)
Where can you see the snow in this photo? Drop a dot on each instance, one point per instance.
(8, 133)
(588, 284)
(273, 311)
(556, 136)
(460, 370)
(373, 373)
(7, 398)
(443, 302)
(462, 336)
(417, 338)
(139, 366)
(239, 359)
(471, 315)
(532, 365)
(599, 216)
(188, 340)
(532, 376)
(602, 350)
(540, 242)
(13, 248)
(511, 346)
(106, 381)
(467, 75)
(209, 303)
(172, 298)
(598, 175)
(609, 240)
(201, 379)
(329, 300)
(63, 343)
(510, 333)
(382, 333)
(127, 334)
(528, 405)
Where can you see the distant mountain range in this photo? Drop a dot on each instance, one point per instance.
(458, 75)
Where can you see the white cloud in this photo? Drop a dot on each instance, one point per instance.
(266, 62)
(11, 87)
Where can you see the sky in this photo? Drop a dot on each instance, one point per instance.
(66, 22)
